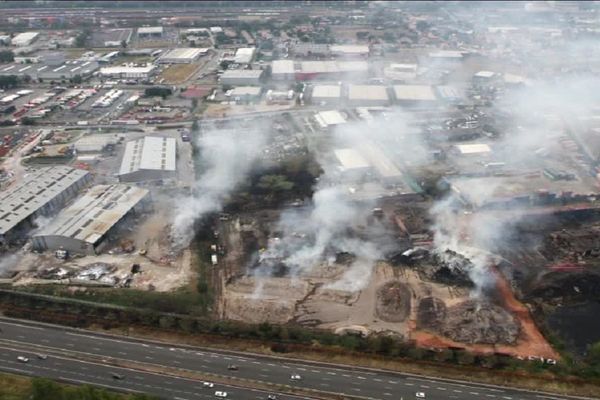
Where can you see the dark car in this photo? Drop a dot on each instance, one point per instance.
(232, 367)
(117, 376)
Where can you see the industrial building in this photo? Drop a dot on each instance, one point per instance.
(473, 149)
(332, 70)
(352, 165)
(111, 37)
(326, 94)
(349, 50)
(244, 55)
(83, 227)
(401, 72)
(24, 39)
(414, 95)
(149, 158)
(44, 70)
(41, 193)
(149, 32)
(283, 70)
(368, 95)
(245, 94)
(128, 72)
(329, 119)
(184, 55)
(241, 77)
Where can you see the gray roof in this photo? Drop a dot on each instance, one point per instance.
(149, 153)
(37, 189)
(95, 213)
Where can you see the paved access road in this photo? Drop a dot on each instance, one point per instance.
(355, 382)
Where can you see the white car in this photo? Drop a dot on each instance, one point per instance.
(296, 377)
(420, 395)
(23, 359)
(208, 384)
(220, 394)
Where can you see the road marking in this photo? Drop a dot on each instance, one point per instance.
(474, 393)
(387, 394)
(490, 395)
(409, 384)
(378, 380)
(331, 373)
(425, 386)
(361, 377)
(457, 391)
(393, 382)
(440, 388)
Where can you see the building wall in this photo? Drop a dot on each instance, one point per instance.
(147, 175)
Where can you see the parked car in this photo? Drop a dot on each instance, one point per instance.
(208, 384)
(220, 394)
(420, 395)
(296, 377)
(23, 359)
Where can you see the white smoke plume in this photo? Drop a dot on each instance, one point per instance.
(227, 157)
(336, 221)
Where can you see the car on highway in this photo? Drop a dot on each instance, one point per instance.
(208, 384)
(420, 395)
(42, 356)
(117, 376)
(271, 397)
(296, 377)
(23, 359)
(232, 367)
(220, 394)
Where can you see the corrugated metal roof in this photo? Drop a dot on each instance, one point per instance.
(149, 153)
(95, 213)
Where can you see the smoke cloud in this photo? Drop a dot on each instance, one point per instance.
(227, 158)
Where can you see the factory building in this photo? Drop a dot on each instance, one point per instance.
(352, 165)
(349, 50)
(83, 227)
(128, 72)
(283, 70)
(414, 95)
(332, 70)
(42, 193)
(149, 158)
(368, 95)
(241, 77)
(326, 94)
(184, 55)
(150, 32)
(329, 119)
(24, 39)
(401, 72)
(245, 94)
(244, 55)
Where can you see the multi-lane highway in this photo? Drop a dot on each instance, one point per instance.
(85, 357)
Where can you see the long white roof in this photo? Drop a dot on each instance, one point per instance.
(149, 153)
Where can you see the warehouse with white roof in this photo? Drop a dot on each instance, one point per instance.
(24, 39)
(413, 95)
(368, 95)
(241, 77)
(83, 227)
(283, 70)
(149, 158)
(183, 55)
(128, 72)
(41, 193)
(244, 55)
(326, 94)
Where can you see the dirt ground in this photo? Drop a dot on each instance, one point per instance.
(179, 73)
(226, 110)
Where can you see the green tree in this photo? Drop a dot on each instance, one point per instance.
(275, 183)
(194, 104)
(123, 44)
(26, 79)
(77, 79)
(195, 126)
(44, 389)
(593, 354)
(8, 81)
(7, 56)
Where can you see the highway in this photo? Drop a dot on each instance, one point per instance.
(89, 347)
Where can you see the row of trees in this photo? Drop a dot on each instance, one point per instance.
(7, 56)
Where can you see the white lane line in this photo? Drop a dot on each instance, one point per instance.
(457, 391)
(394, 382)
(378, 380)
(490, 395)
(361, 377)
(387, 394)
(409, 384)
(425, 386)
(22, 326)
(440, 388)
(474, 393)
(346, 375)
